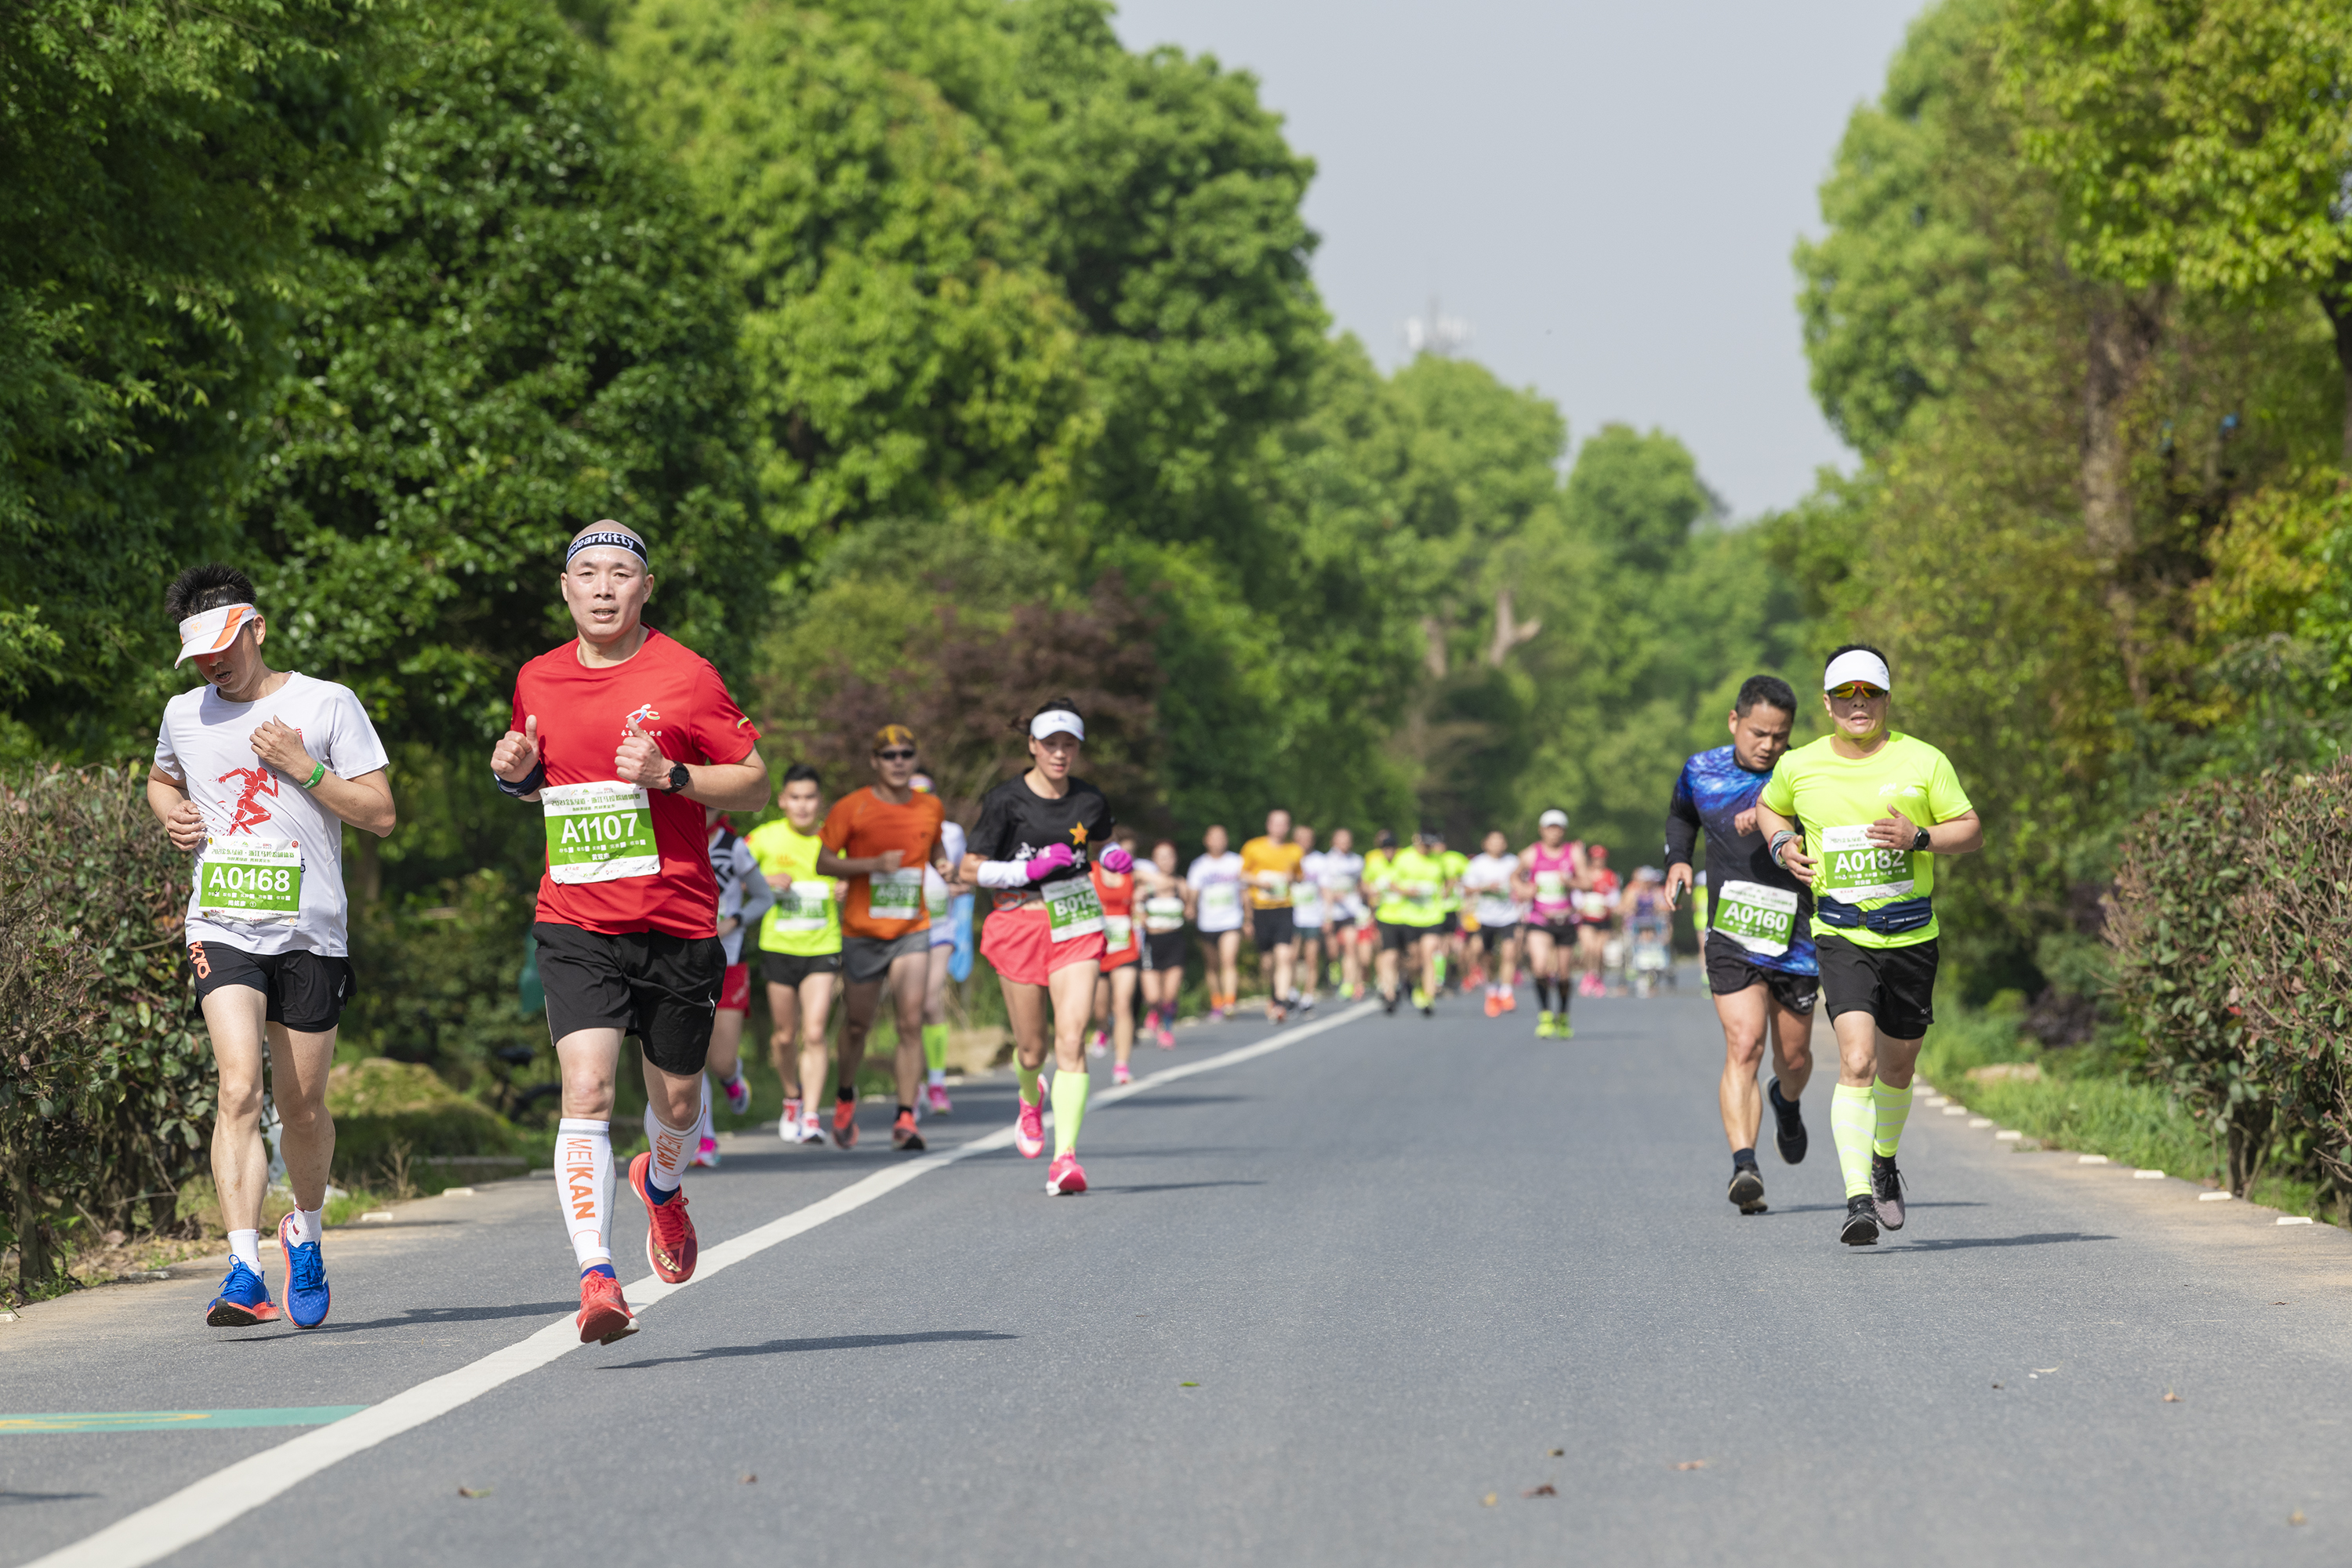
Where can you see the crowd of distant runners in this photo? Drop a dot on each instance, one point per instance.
(1810, 872)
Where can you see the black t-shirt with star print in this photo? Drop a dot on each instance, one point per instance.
(1016, 822)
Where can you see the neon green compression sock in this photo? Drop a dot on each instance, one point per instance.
(1028, 1077)
(935, 1047)
(1852, 1116)
(1894, 1106)
(1437, 973)
(1070, 1091)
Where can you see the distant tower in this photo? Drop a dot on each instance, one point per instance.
(1436, 334)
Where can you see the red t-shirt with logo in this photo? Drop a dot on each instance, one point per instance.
(584, 715)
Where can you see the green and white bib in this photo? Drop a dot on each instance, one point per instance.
(250, 881)
(598, 832)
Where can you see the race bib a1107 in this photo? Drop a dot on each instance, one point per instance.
(1852, 870)
(1758, 918)
(598, 832)
(1072, 910)
(250, 881)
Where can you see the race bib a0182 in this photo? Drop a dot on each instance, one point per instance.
(805, 907)
(1758, 918)
(1854, 869)
(896, 895)
(250, 881)
(1072, 910)
(598, 832)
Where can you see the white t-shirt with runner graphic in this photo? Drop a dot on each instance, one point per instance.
(263, 825)
(1489, 877)
(1217, 880)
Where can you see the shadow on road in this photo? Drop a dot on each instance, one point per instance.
(422, 1317)
(1172, 1186)
(833, 1342)
(13, 1500)
(1931, 1244)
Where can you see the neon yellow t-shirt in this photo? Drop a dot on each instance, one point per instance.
(1414, 894)
(1833, 799)
(806, 920)
(1456, 863)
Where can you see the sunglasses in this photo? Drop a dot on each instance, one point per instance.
(898, 754)
(1852, 690)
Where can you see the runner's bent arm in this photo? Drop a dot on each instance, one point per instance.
(1683, 830)
(167, 797)
(1961, 835)
(730, 786)
(1792, 857)
(364, 802)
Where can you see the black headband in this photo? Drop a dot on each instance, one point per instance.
(614, 537)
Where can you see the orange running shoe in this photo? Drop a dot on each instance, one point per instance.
(1494, 1005)
(844, 1123)
(605, 1314)
(903, 1135)
(670, 1246)
(1510, 1001)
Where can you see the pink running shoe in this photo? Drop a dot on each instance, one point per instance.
(1167, 1038)
(1065, 1179)
(1097, 1044)
(707, 1154)
(1029, 1131)
(1121, 1073)
(935, 1099)
(738, 1094)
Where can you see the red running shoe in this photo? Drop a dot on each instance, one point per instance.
(1494, 1005)
(844, 1123)
(1029, 1130)
(605, 1314)
(903, 1135)
(670, 1246)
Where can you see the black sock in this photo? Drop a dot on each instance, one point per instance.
(905, 1110)
(1543, 994)
(850, 1095)
(1743, 1157)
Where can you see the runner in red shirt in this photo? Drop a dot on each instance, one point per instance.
(622, 736)
(1122, 947)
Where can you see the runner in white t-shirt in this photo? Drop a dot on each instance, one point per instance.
(255, 772)
(1489, 876)
(1307, 915)
(1347, 919)
(1215, 878)
(744, 897)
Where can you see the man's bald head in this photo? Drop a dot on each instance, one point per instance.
(606, 534)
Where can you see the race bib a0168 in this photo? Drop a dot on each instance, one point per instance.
(1072, 910)
(250, 881)
(598, 832)
(1758, 918)
(1854, 870)
(896, 895)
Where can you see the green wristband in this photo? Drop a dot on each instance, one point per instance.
(316, 774)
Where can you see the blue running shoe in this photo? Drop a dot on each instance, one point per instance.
(306, 1278)
(244, 1300)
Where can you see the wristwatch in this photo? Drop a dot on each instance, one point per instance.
(1920, 842)
(679, 777)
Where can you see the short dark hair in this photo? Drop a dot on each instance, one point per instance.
(207, 587)
(1769, 690)
(798, 772)
(1857, 648)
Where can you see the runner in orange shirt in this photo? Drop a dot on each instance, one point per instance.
(878, 841)
(1269, 866)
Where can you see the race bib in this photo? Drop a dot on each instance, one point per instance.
(1852, 869)
(1275, 886)
(1118, 932)
(1072, 910)
(1307, 900)
(598, 832)
(1552, 887)
(894, 895)
(936, 900)
(1163, 912)
(1592, 906)
(1759, 918)
(252, 881)
(803, 907)
(1222, 898)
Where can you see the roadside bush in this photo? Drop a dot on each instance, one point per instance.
(106, 1089)
(437, 986)
(388, 1112)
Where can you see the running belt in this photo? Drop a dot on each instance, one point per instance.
(1887, 919)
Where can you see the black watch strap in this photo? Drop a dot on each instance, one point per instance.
(1920, 842)
(679, 777)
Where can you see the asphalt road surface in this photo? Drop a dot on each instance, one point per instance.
(1351, 1301)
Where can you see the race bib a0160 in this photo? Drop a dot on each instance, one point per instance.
(896, 895)
(1758, 918)
(598, 832)
(1072, 910)
(250, 881)
(1854, 869)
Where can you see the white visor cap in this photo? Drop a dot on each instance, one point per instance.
(1857, 663)
(212, 631)
(1057, 721)
(1552, 819)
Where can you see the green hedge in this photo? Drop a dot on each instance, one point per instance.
(106, 1082)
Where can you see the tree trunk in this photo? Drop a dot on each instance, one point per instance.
(2249, 1136)
(2123, 339)
(2337, 302)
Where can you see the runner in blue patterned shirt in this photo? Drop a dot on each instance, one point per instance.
(1759, 954)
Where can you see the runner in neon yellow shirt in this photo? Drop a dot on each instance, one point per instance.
(800, 949)
(1859, 816)
(1411, 916)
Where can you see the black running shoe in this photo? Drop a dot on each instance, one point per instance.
(1790, 1129)
(1860, 1222)
(1887, 1190)
(1388, 1006)
(1747, 1189)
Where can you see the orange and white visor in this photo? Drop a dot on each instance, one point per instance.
(212, 631)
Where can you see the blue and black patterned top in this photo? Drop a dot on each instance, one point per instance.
(1713, 790)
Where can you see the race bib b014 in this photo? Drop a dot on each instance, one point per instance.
(598, 832)
(1854, 870)
(1072, 908)
(1760, 918)
(250, 881)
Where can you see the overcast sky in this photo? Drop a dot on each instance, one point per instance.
(1609, 194)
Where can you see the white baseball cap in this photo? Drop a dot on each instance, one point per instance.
(212, 631)
(1552, 818)
(1057, 721)
(1857, 663)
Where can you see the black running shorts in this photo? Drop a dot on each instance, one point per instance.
(1275, 928)
(1896, 985)
(1730, 969)
(1163, 949)
(306, 991)
(1398, 937)
(792, 968)
(662, 988)
(1493, 937)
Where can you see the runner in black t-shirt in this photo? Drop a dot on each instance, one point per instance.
(1031, 847)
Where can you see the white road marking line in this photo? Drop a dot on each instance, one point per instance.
(2007, 1135)
(2213, 1197)
(1979, 1121)
(2090, 1159)
(195, 1512)
(2294, 1219)
(2148, 1176)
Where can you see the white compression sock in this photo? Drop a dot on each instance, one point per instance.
(310, 1224)
(584, 1186)
(703, 1128)
(672, 1147)
(245, 1245)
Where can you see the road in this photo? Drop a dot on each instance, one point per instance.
(1348, 1301)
